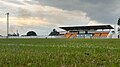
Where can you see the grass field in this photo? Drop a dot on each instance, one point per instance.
(59, 53)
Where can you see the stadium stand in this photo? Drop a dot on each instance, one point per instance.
(88, 31)
(67, 35)
(96, 34)
(104, 34)
(71, 35)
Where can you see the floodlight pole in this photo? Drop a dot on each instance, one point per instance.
(7, 25)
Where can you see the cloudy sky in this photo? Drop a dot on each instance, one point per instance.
(42, 16)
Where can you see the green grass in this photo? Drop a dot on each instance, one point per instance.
(59, 53)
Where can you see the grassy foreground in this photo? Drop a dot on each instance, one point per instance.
(59, 53)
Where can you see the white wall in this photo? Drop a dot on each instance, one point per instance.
(115, 35)
(89, 31)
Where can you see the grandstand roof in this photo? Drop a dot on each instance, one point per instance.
(87, 27)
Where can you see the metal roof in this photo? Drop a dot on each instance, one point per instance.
(87, 27)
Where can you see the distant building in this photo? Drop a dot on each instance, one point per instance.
(31, 33)
(54, 33)
(13, 34)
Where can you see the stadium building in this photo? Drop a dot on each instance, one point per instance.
(96, 31)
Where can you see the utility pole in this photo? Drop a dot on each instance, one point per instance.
(7, 25)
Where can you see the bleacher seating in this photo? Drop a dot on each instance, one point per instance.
(74, 34)
(100, 34)
(67, 35)
(71, 35)
(104, 34)
(97, 34)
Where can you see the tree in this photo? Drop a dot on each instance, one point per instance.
(119, 21)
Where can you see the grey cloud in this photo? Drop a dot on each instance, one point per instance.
(24, 13)
(102, 11)
(13, 1)
(98, 10)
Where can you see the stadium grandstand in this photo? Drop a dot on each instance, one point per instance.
(94, 31)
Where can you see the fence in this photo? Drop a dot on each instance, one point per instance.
(40, 36)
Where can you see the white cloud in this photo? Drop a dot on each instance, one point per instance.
(93, 22)
(38, 17)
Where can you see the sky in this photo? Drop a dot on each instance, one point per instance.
(42, 16)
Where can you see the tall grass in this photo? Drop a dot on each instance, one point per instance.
(59, 52)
